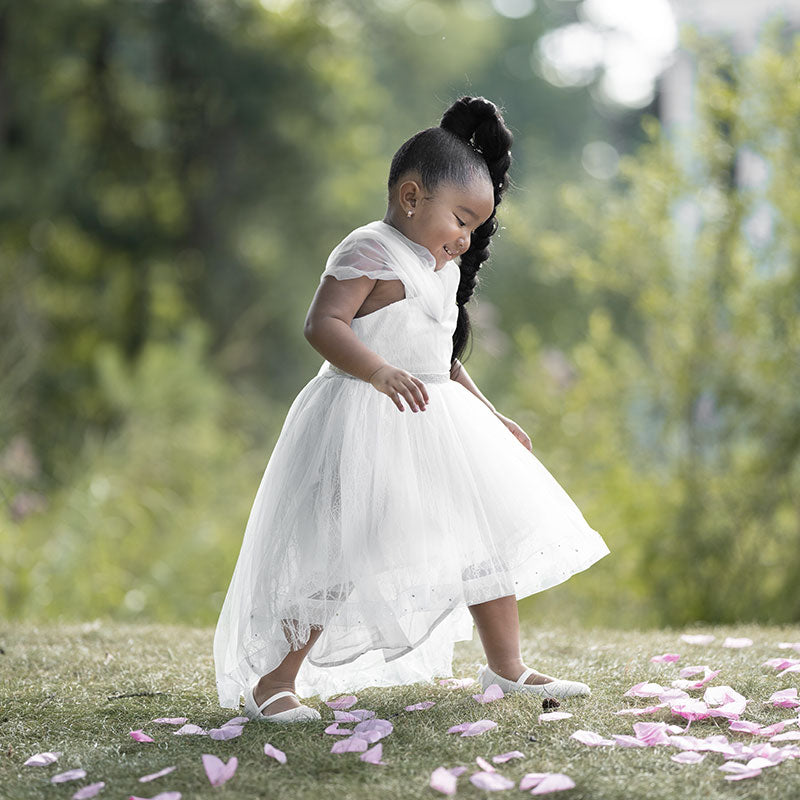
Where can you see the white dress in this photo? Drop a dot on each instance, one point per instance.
(381, 525)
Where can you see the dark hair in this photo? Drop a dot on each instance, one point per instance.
(471, 141)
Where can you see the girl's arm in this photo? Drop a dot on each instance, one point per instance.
(459, 374)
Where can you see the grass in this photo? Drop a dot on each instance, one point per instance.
(64, 688)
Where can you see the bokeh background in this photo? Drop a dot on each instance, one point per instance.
(174, 174)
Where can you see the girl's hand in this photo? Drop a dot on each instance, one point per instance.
(396, 382)
(515, 429)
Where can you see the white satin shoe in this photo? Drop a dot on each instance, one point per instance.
(300, 714)
(558, 688)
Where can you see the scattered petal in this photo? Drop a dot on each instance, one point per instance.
(352, 744)
(503, 757)
(88, 791)
(785, 698)
(421, 706)
(646, 710)
(189, 730)
(345, 716)
(652, 733)
(697, 638)
(624, 740)
(666, 657)
(153, 775)
(373, 755)
(273, 752)
(481, 726)
(159, 796)
(745, 726)
(171, 720)
(373, 729)
(739, 771)
(645, 690)
(691, 709)
(590, 738)
(226, 732)
(236, 721)
(458, 770)
(554, 782)
(140, 736)
(335, 730)
(492, 692)
(342, 702)
(361, 713)
(785, 737)
(69, 775)
(687, 672)
(549, 716)
(443, 781)
(484, 764)
(490, 781)
(731, 642)
(688, 757)
(217, 770)
(42, 759)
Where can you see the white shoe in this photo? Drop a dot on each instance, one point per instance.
(299, 714)
(557, 688)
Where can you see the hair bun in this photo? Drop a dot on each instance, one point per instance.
(467, 114)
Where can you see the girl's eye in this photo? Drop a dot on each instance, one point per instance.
(460, 222)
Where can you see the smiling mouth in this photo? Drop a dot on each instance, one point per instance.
(449, 252)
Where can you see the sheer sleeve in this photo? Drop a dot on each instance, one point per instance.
(360, 256)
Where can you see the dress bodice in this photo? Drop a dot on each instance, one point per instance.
(415, 333)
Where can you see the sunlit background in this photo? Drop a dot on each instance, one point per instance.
(174, 174)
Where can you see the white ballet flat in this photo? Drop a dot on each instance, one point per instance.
(299, 714)
(557, 688)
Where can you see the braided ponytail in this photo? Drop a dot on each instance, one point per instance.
(479, 123)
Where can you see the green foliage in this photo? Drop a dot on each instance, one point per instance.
(678, 415)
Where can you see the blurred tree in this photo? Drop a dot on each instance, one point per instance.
(679, 415)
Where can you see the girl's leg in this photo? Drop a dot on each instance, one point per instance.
(283, 677)
(498, 626)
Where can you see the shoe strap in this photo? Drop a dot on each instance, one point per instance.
(525, 675)
(275, 697)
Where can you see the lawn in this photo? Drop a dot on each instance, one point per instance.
(81, 689)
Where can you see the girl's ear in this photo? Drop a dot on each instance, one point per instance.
(409, 194)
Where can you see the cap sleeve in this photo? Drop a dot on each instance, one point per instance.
(360, 256)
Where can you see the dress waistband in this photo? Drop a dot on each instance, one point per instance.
(425, 377)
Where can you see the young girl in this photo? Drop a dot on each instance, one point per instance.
(377, 536)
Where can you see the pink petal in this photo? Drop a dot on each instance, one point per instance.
(531, 779)
(493, 692)
(373, 729)
(462, 726)
(334, 730)
(42, 759)
(644, 690)
(697, 638)
(458, 770)
(88, 791)
(218, 771)
(785, 737)
(360, 713)
(484, 764)
(549, 716)
(639, 711)
(776, 727)
(652, 733)
(793, 668)
(236, 721)
(688, 757)
(159, 796)
(421, 706)
(153, 775)
(739, 771)
(189, 730)
(170, 720)
(786, 698)
(624, 740)
(345, 716)
(490, 781)
(687, 672)
(140, 736)
(443, 781)
(666, 657)
(69, 775)
(352, 744)
(745, 726)
(554, 782)
(780, 663)
(273, 752)
(717, 695)
(691, 709)
(591, 738)
(731, 642)
(226, 732)
(342, 702)
(373, 755)
(503, 757)
(795, 645)
(481, 726)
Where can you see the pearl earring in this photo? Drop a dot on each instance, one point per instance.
(410, 213)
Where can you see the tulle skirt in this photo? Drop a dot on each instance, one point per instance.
(380, 527)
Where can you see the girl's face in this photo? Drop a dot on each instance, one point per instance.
(444, 222)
